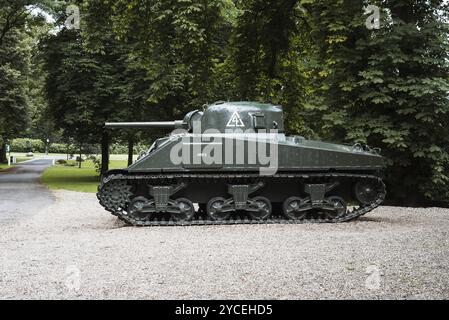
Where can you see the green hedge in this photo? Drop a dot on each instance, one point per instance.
(36, 145)
(26, 145)
(117, 148)
(58, 148)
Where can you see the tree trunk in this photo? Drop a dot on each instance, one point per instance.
(79, 166)
(104, 152)
(130, 150)
(3, 158)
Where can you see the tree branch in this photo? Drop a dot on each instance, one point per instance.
(12, 20)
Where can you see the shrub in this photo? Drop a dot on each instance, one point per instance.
(26, 145)
(71, 163)
(57, 148)
(117, 148)
(97, 163)
(36, 145)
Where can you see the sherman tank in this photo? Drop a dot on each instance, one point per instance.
(232, 163)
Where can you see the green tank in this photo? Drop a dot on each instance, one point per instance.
(232, 163)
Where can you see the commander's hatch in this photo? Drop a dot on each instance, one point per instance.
(259, 121)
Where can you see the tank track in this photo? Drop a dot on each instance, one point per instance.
(104, 195)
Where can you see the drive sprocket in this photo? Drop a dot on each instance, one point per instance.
(115, 195)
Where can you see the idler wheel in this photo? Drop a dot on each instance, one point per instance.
(214, 209)
(263, 207)
(136, 208)
(365, 192)
(295, 208)
(186, 210)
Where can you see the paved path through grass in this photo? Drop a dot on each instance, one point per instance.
(21, 194)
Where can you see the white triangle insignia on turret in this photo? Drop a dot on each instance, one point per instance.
(235, 121)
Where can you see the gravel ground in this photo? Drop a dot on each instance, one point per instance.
(74, 249)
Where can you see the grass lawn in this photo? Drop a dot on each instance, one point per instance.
(85, 179)
(3, 166)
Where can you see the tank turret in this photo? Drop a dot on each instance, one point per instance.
(221, 116)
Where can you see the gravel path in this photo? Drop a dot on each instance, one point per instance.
(74, 249)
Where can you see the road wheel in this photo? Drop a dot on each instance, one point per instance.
(136, 209)
(263, 205)
(295, 208)
(214, 209)
(339, 208)
(186, 210)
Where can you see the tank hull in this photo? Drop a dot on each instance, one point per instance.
(306, 176)
(242, 154)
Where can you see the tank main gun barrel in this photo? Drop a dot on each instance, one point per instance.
(145, 125)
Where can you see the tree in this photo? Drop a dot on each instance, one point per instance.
(85, 76)
(14, 56)
(13, 16)
(17, 31)
(170, 62)
(271, 57)
(387, 88)
(127, 74)
(337, 80)
(180, 45)
(262, 42)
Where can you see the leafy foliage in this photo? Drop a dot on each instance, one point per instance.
(388, 88)
(17, 25)
(337, 80)
(14, 55)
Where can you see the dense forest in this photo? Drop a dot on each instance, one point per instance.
(387, 86)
